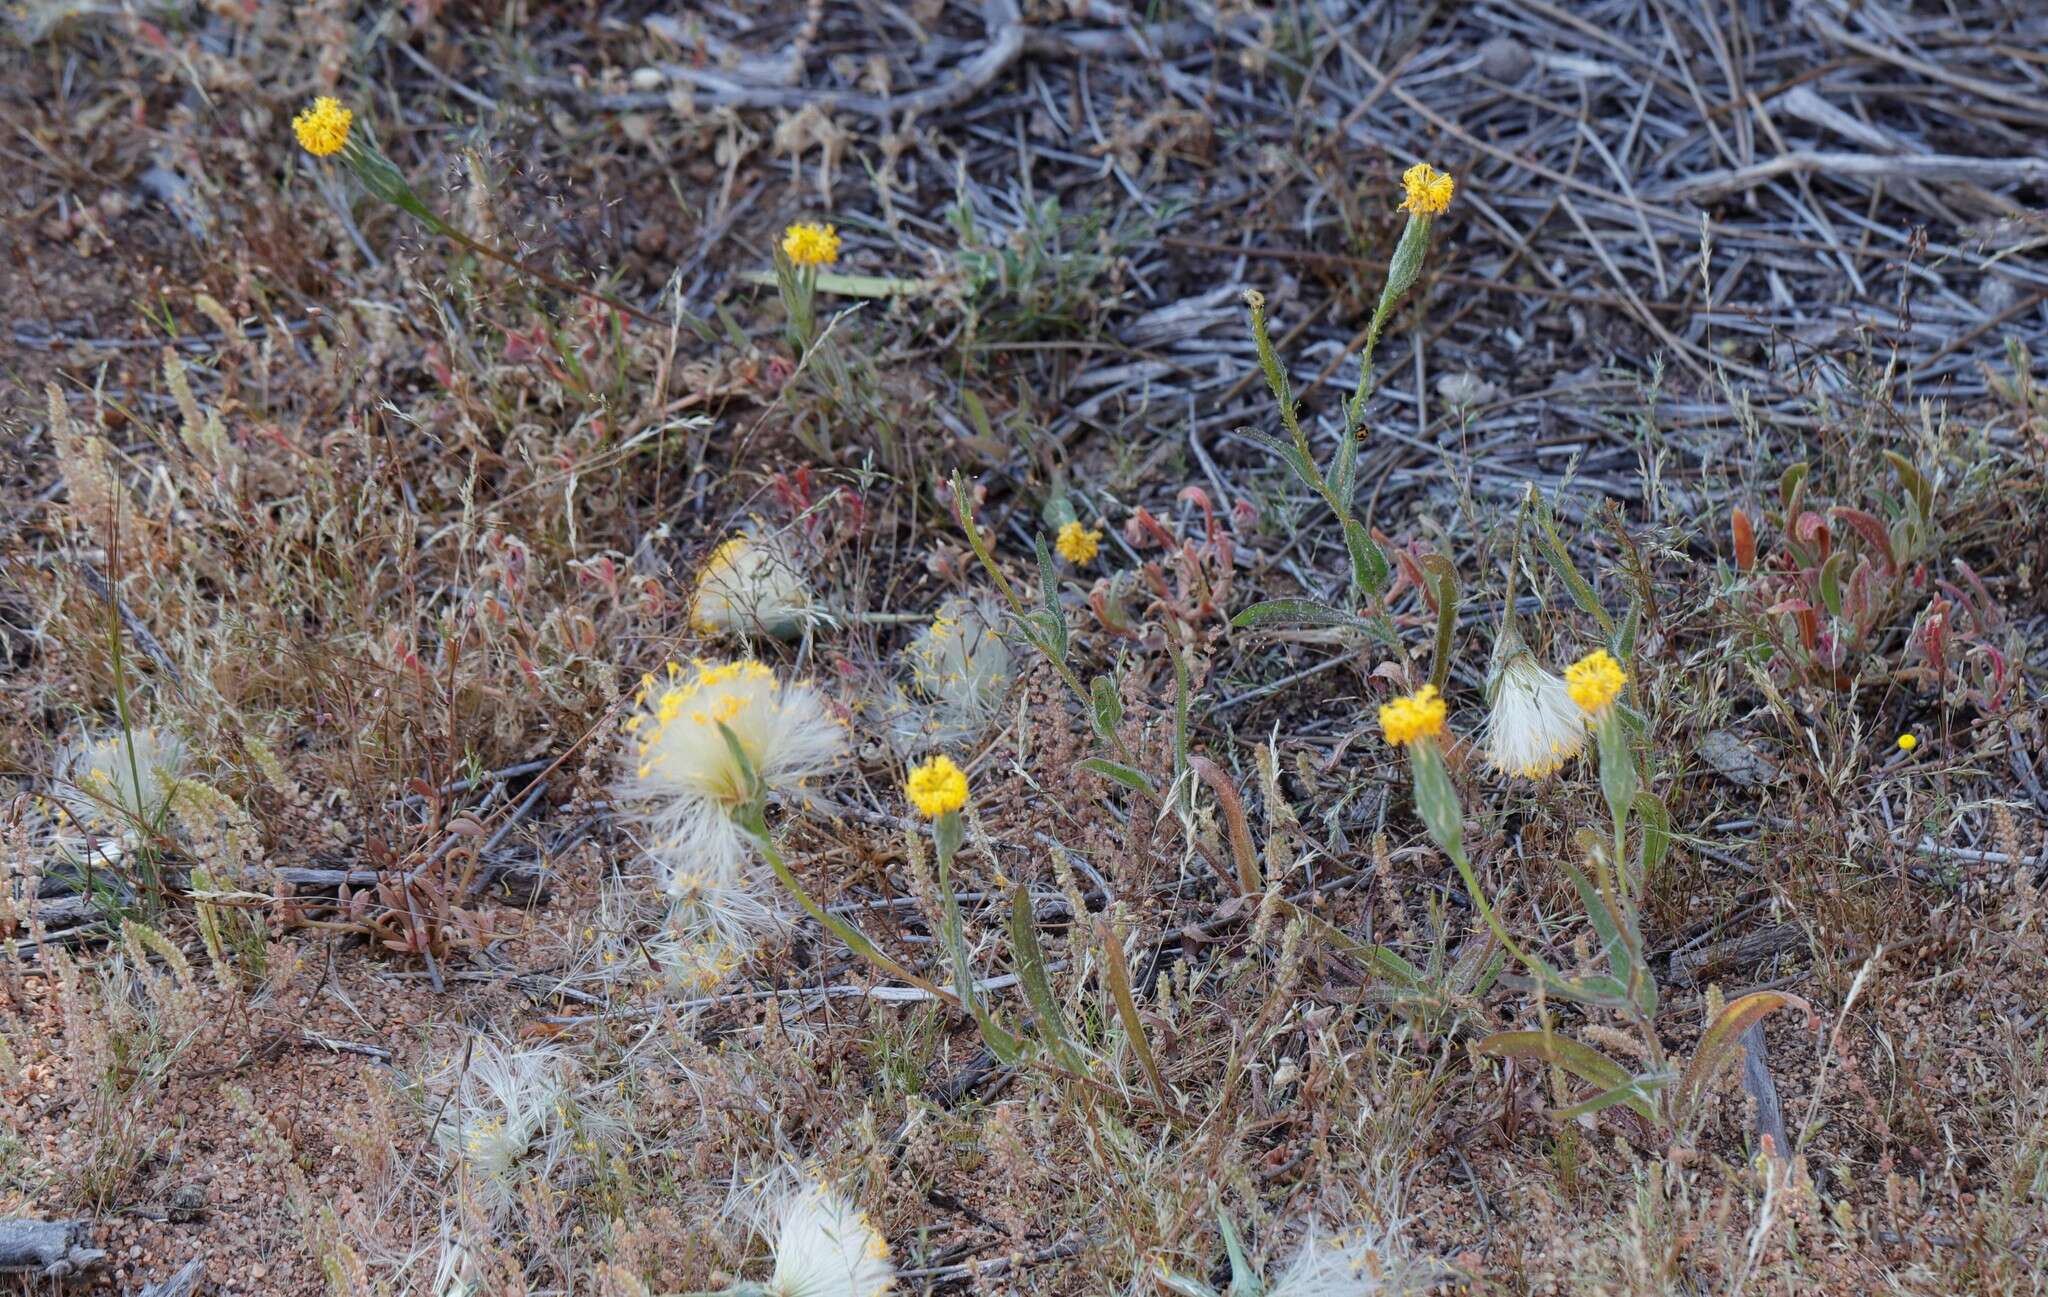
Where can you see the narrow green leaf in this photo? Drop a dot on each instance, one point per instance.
(1369, 567)
(1118, 975)
(1582, 1061)
(1831, 582)
(946, 840)
(1136, 780)
(1295, 612)
(1791, 486)
(1560, 558)
(1916, 482)
(1444, 580)
(1029, 957)
(1107, 712)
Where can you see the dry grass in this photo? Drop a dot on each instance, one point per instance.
(332, 550)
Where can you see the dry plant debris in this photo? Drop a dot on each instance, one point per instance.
(1035, 645)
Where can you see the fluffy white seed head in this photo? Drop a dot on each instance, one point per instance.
(102, 785)
(1534, 727)
(1361, 1261)
(752, 584)
(684, 778)
(960, 670)
(508, 1116)
(825, 1247)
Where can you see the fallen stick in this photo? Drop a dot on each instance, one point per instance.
(1860, 166)
(51, 1249)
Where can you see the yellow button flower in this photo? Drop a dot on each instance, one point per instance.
(811, 245)
(323, 128)
(1595, 681)
(1420, 715)
(1907, 742)
(937, 787)
(1077, 544)
(1429, 190)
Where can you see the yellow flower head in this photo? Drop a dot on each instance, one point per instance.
(323, 128)
(1595, 680)
(937, 787)
(811, 245)
(1420, 715)
(1077, 544)
(1907, 742)
(1429, 190)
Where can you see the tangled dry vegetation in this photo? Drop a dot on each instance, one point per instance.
(793, 648)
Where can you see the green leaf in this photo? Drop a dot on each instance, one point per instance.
(1656, 833)
(1831, 582)
(1343, 476)
(946, 839)
(1029, 957)
(1244, 1279)
(1295, 612)
(1049, 593)
(1916, 482)
(852, 285)
(1606, 924)
(1302, 467)
(1582, 1061)
(1636, 1088)
(1369, 567)
(1183, 701)
(1560, 558)
(1791, 486)
(1135, 780)
(1631, 627)
(1108, 710)
(1444, 579)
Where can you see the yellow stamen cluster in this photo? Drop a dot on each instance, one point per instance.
(1419, 715)
(1077, 544)
(1429, 190)
(1595, 681)
(661, 703)
(811, 245)
(938, 787)
(323, 128)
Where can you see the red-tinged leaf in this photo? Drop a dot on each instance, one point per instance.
(1812, 529)
(1789, 605)
(1722, 1040)
(1984, 607)
(1871, 530)
(1745, 541)
(152, 33)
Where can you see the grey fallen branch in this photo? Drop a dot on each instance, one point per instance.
(50, 1249)
(1861, 166)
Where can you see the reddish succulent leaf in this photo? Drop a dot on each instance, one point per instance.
(1745, 541)
(1871, 530)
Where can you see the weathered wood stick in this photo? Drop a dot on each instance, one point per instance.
(52, 1249)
